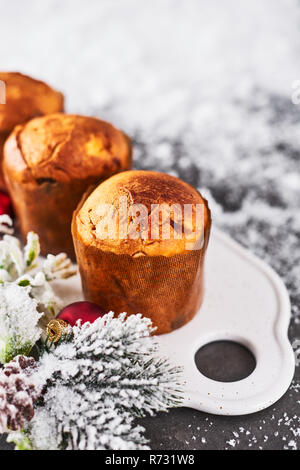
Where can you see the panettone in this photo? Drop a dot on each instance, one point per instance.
(24, 99)
(127, 267)
(49, 162)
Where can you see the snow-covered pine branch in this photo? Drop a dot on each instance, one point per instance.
(76, 420)
(26, 294)
(118, 356)
(98, 382)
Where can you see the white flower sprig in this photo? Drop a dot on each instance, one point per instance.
(20, 326)
(15, 261)
(58, 267)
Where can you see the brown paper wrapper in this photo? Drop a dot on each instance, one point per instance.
(47, 209)
(168, 290)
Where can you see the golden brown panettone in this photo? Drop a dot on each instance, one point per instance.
(153, 267)
(25, 98)
(49, 162)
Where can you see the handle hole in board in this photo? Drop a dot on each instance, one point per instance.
(225, 361)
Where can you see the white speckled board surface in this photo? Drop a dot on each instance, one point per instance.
(245, 302)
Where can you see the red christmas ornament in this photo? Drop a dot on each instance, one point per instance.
(84, 311)
(5, 204)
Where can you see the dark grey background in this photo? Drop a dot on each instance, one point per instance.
(205, 90)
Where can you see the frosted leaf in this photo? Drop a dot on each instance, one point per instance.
(11, 256)
(32, 249)
(15, 264)
(20, 439)
(18, 321)
(4, 276)
(58, 267)
(41, 290)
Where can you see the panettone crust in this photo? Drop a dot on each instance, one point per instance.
(50, 162)
(165, 281)
(148, 188)
(25, 98)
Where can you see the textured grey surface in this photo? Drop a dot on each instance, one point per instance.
(205, 90)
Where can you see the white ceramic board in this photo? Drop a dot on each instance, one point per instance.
(245, 301)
